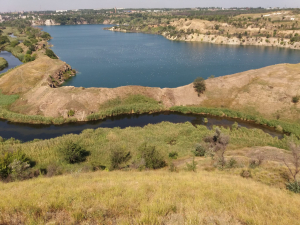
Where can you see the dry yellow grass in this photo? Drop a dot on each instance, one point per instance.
(156, 197)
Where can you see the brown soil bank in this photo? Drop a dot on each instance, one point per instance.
(268, 91)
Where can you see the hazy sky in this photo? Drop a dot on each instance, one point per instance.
(18, 5)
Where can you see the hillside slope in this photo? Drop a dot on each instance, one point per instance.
(155, 197)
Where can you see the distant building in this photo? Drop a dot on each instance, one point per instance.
(292, 18)
(60, 11)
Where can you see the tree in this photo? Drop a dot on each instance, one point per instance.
(199, 85)
(294, 169)
(217, 145)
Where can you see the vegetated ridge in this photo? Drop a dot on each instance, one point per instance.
(3, 63)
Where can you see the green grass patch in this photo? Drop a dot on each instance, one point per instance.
(134, 104)
(7, 99)
(3, 63)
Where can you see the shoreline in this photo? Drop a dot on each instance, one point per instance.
(222, 40)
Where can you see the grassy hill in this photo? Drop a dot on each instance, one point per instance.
(146, 197)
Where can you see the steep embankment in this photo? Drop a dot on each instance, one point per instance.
(268, 91)
(206, 32)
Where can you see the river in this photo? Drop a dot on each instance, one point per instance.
(28, 132)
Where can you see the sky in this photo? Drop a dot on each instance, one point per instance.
(37, 5)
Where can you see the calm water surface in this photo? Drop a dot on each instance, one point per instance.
(112, 59)
(27, 132)
(12, 61)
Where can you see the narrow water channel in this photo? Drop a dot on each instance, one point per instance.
(11, 59)
(27, 132)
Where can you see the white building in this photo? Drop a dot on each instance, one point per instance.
(60, 11)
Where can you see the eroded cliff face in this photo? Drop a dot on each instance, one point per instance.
(40, 22)
(215, 39)
(62, 74)
(208, 33)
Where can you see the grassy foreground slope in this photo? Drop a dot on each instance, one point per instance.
(146, 198)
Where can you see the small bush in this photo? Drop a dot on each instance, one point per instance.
(246, 173)
(293, 186)
(29, 52)
(295, 99)
(153, 159)
(191, 166)
(200, 150)
(73, 152)
(173, 155)
(232, 163)
(50, 54)
(118, 157)
(199, 85)
(71, 113)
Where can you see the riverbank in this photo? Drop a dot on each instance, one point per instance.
(3, 64)
(221, 40)
(195, 30)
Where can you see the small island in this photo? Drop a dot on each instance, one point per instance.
(3, 64)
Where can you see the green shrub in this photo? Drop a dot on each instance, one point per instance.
(27, 43)
(173, 155)
(232, 163)
(73, 152)
(14, 43)
(9, 162)
(50, 54)
(293, 186)
(3, 63)
(200, 150)
(71, 112)
(32, 48)
(46, 35)
(153, 159)
(118, 157)
(29, 52)
(3, 40)
(295, 99)
(28, 58)
(199, 85)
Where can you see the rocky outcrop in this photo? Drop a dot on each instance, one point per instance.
(60, 76)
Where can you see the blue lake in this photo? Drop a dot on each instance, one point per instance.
(111, 59)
